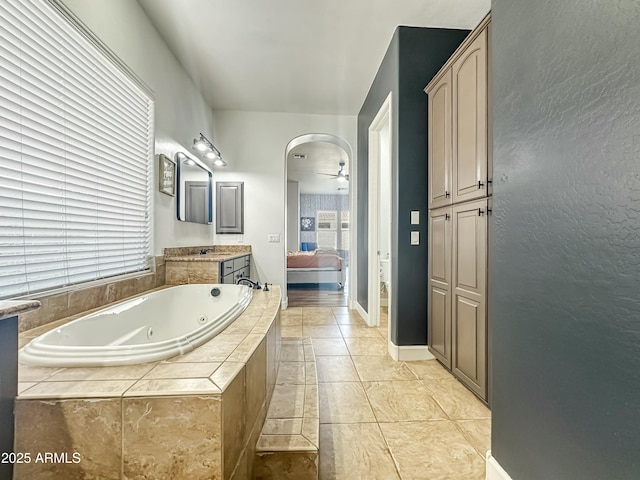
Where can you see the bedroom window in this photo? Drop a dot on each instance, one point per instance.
(76, 144)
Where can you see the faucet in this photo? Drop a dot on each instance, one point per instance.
(254, 285)
(204, 251)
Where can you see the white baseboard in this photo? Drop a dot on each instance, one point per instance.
(363, 314)
(494, 470)
(409, 352)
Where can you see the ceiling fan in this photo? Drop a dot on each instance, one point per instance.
(341, 176)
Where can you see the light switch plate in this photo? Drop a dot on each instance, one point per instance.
(415, 238)
(274, 238)
(415, 217)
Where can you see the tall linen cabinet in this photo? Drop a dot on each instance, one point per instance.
(459, 203)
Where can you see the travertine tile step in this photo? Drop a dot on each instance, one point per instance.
(288, 444)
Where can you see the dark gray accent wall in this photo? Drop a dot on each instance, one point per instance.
(565, 264)
(414, 56)
(385, 81)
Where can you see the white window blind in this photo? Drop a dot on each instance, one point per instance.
(76, 139)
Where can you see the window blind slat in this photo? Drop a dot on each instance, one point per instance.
(75, 151)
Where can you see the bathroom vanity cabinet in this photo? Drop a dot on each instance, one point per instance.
(220, 264)
(459, 196)
(234, 269)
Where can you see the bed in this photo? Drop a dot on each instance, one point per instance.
(318, 266)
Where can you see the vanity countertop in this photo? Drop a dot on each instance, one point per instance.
(216, 253)
(208, 257)
(11, 308)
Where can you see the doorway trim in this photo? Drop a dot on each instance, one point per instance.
(382, 120)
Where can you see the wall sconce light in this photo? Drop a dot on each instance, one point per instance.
(208, 150)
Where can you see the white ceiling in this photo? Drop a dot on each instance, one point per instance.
(321, 158)
(302, 56)
(298, 56)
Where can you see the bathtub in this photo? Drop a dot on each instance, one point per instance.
(151, 327)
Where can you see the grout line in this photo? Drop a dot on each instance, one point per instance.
(395, 461)
(422, 382)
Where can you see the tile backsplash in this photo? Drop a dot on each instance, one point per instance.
(60, 305)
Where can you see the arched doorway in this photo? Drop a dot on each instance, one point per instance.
(318, 218)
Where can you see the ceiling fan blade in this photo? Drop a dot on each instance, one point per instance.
(327, 174)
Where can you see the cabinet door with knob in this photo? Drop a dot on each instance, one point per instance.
(469, 293)
(459, 190)
(469, 94)
(439, 141)
(439, 293)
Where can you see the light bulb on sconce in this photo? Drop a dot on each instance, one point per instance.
(200, 145)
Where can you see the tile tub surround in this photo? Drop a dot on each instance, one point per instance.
(185, 265)
(57, 306)
(288, 446)
(195, 416)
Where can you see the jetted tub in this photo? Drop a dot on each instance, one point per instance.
(147, 328)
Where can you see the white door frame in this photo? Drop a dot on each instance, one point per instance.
(381, 121)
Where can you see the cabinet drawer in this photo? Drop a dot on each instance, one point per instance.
(238, 263)
(226, 267)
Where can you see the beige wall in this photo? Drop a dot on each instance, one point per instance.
(254, 145)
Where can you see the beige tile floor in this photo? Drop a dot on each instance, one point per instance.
(381, 419)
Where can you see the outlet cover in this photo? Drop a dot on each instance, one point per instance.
(274, 238)
(415, 238)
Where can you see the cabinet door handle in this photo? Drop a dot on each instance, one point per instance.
(480, 212)
(480, 184)
(447, 194)
(446, 216)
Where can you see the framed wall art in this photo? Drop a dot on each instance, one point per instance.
(307, 224)
(167, 175)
